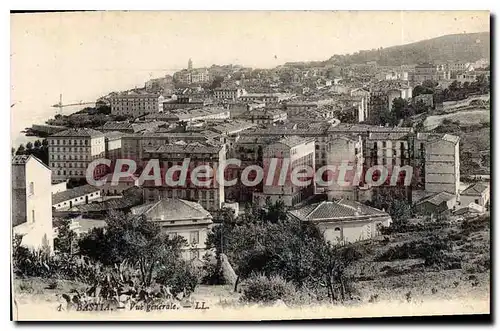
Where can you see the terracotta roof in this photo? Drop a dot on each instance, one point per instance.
(79, 132)
(116, 126)
(336, 210)
(437, 198)
(170, 209)
(195, 147)
(73, 193)
(476, 189)
(293, 141)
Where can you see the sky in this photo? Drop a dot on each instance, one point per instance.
(88, 54)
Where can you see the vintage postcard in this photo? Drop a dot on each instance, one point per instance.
(250, 165)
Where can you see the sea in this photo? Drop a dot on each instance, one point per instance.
(34, 106)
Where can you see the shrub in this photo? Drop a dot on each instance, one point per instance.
(415, 250)
(262, 289)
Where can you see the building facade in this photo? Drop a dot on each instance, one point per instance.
(32, 202)
(288, 153)
(343, 221)
(71, 151)
(134, 104)
(210, 195)
(183, 218)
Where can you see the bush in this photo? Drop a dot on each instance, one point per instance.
(182, 277)
(262, 289)
(415, 250)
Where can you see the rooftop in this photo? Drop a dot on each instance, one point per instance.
(112, 125)
(336, 210)
(182, 147)
(79, 132)
(475, 189)
(73, 193)
(23, 159)
(113, 135)
(428, 136)
(172, 209)
(292, 141)
(438, 198)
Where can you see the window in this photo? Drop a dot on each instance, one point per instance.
(476, 201)
(32, 188)
(194, 237)
(337, 229)
(384, 144)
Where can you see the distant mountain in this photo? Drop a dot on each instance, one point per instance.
(467, 47)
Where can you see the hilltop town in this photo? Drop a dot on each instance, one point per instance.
(431, 233)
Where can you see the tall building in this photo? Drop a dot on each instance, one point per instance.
(32, 202)
(290, 153)
(71, 151)
(437, 156)
(210, 196)
(190, 64)
(135, 104)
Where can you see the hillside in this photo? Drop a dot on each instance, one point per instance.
(467, 47)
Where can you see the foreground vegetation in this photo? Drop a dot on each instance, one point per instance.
(276, 258)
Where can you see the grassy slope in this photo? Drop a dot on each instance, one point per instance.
(394, 279)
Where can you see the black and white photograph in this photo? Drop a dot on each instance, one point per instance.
(249, 165)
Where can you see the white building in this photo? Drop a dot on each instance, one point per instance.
(228, 93)
(290, 153)
(478, 194)
(71, 151)
(183, 218)
(135, 104)
(79, 195)
(438, 162)
(32, 202)
(343, 221)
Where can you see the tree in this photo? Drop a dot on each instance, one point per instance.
(20, 150)
(29, 147)
(38, 144)
(65, 242)
(135, 239)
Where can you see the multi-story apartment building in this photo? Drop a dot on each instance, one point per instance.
(180, 103)
(228, 93)
(71, 151)
(210, 196)
(249, 150)
(343, 150)
(382, 97)
(290, 153)
(192, 76)
(437, 157)
(134, 104)
(32, 202)
(113, 146)
(425, 71)
(133, 145)
(433, 158)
